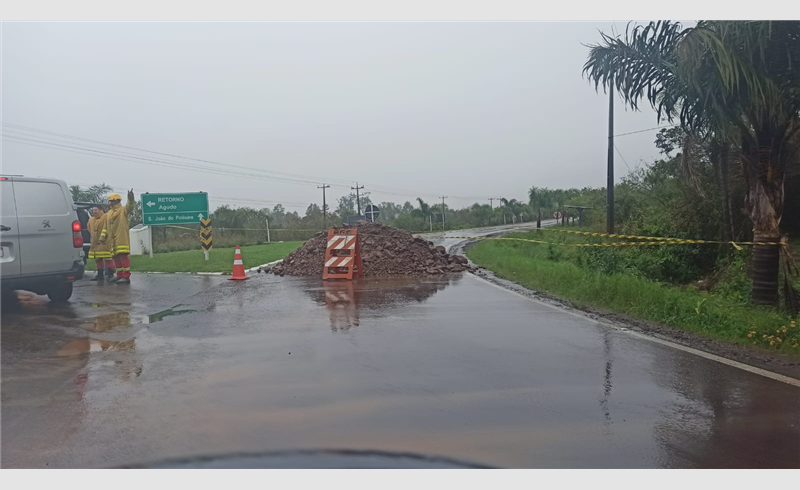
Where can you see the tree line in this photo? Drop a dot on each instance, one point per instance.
(732, 87)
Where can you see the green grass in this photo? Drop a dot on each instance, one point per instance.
(701, 312)
(220, 259)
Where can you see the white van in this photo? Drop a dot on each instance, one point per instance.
(41, 246)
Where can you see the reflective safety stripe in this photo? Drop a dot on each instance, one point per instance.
(123, 268)
(238, 262)
(91, 254)
(99, 255)
(122, 250)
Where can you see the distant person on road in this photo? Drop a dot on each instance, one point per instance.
(118, 237)
(100, 251)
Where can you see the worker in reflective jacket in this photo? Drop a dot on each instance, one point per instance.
(118, 237)
(100, 251)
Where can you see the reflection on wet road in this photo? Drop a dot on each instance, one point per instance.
(450, 366)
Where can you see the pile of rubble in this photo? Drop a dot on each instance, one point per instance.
(384, 251)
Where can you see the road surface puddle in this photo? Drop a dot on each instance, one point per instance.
(104, 323)
(85, 346)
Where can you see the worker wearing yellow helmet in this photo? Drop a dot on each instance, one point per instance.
(118, 235)
(100, 250)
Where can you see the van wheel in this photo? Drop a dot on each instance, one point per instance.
(60, 293)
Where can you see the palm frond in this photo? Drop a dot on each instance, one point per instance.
(640, 66)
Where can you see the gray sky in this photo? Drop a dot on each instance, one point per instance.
(467, 110)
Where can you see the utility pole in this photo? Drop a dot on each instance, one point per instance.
(358, 200)
(324, 206)
(491, 201)
(610, 183)
(443, 214)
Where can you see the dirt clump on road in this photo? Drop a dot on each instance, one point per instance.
(385, 251)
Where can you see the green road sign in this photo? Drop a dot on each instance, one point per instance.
(174, 209)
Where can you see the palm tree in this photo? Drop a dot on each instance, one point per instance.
(95, 194)
(541, 199)
(424, 209)
(727, 79)
(513, 206)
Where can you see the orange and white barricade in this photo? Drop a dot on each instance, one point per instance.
(342, 255)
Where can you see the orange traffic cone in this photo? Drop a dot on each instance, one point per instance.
(238, 267)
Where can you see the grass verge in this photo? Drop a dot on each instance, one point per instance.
(220, 259)
(686, 308)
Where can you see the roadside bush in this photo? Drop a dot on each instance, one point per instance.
(733, 281)
(677, 264)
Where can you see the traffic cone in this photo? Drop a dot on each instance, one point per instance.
(238, 267)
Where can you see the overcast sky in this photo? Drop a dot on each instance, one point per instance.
(467, 110)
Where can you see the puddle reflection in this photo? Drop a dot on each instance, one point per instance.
(85, 346)
(728, 421)
(104, 323)
(157, 317)
(345, 299)
(342, 304)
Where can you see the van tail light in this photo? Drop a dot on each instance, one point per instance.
(77, 238)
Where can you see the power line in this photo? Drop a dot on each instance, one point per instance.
(129, 157)
(358, 200)
(67, 136)
(324, 205)
(298, 178)
(49, 138)
(95, 151)
(149, 161)
(623, 158)
(645, 130)
(443, 211)
(222, 199)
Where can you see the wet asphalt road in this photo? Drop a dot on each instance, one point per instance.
(179, 365)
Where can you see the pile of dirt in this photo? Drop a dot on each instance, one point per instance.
(384, 251)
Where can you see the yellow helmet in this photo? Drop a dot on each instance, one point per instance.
(114, 197)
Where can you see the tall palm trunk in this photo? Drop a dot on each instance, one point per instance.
(720, 160)
(724, 183)
(764, 202)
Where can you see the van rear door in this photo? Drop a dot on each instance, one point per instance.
(45, 216)
(9, 231)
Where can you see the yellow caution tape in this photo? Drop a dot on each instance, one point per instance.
(681, 241)
(618, 244)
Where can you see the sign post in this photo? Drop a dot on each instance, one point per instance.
(186, 208)
(150, 239)
(206, 240)
(174, 209)
(372, 212)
